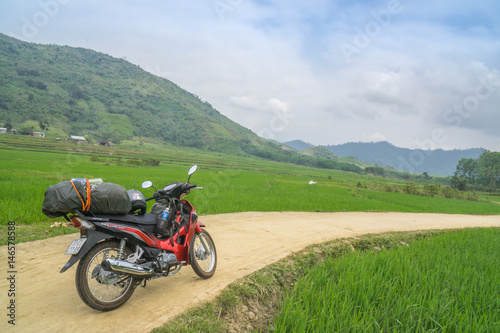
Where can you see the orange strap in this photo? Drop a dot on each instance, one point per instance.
(85, 206)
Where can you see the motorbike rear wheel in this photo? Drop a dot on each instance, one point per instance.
(203, 263)
(100, 289)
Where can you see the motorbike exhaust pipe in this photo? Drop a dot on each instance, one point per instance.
(126, 267)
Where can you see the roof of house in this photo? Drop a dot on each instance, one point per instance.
(77, 137)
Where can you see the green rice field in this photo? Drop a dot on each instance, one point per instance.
(230, 184)
(448, 283)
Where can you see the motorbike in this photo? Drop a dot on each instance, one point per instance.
(117, 253)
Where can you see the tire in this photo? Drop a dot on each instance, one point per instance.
(203, 264)
(104, 291)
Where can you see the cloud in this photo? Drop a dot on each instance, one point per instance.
(376, 137)
(254, 60)
(278, 105)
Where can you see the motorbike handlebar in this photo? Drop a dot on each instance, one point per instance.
(160, 193)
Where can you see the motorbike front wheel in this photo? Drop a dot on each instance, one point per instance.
(203, 262)
(103, 290)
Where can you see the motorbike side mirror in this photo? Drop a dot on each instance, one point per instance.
(192, 170)
(147, 184)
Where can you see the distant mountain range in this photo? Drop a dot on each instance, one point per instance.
(435, 162)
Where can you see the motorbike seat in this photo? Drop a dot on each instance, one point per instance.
(146, 219)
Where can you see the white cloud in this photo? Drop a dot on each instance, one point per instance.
(278, 105)
(376, 137)
(247, 102)
(257, 60)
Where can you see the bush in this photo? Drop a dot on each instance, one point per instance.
(431, 190)
(449, 192)
(410, 188)
(134, 162)
(151, 162)
(375, 170)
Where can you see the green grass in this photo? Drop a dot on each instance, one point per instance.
(231, 183)
(449, 283)
(36, 231)
(251, 303)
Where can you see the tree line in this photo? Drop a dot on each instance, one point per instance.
(482, 173)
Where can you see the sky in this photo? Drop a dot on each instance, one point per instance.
(419, 74)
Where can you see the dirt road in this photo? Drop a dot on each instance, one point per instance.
(47, 301)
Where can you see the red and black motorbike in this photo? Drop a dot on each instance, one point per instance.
(117, 253)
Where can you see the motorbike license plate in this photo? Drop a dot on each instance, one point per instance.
(75, 246)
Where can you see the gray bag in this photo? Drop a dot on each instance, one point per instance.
(109, 198)
(66, 197)
(165, 227)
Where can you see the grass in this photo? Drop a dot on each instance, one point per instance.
(36, 231)
(421, 281)
(448, 283)
(252, 303)
(30, 165)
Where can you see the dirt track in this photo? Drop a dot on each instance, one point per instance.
(47, 301)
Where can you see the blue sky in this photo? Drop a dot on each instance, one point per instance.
(419, 74)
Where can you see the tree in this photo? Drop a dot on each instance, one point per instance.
(460, 183)
(466, 173)
(489, 166)
(76, 91)
(44, 125)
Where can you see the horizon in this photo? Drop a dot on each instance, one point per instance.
(374, 142)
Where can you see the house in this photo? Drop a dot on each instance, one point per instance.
(3, 130)
(39, 134)
(77, 138)
(106, 143)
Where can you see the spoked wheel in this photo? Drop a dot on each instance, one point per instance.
(203, 262)
(103, 290)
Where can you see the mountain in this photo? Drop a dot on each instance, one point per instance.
(320, 152)
(63, 91)
(436, 162)
(298, 144)
(76, 91)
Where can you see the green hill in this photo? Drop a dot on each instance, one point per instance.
(320, 152)
(62, 91)
(75, 91)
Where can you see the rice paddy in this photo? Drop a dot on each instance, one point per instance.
(448, 283)
(230, 183)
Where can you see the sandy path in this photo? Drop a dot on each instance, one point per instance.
(47, 301)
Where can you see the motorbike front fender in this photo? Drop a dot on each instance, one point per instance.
(93, 237)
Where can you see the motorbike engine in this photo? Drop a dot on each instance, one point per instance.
(166, 259)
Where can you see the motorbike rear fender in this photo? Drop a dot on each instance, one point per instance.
(93, 237)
